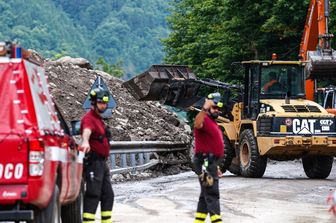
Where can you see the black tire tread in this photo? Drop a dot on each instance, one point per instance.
(257, 164)
(317, 167)
(228, 155)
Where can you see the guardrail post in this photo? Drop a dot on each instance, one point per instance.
(146, 157)
(123, 160)
(141, 158)
(133, 163)
(113, 162)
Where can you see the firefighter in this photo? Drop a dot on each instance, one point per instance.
(272, 84)
(95, 136)
(209, 148)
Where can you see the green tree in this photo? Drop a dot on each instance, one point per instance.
(209, 35)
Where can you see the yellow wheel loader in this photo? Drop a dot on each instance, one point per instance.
(266, 118)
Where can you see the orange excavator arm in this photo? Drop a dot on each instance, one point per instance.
(315, 28)
(315, 45)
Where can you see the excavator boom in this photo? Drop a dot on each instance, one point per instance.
(315, 46)
(315, 27)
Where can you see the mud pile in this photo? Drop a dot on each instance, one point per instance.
(132, 120)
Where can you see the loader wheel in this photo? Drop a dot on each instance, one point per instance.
(251, 163)
(317, 167)
(235, 166)
(228, 155)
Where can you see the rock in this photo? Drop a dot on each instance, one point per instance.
(36, 57)
(81, 62)
(187, 128)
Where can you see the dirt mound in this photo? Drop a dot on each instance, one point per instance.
(132, 120)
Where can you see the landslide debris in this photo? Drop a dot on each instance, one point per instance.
(132, 120)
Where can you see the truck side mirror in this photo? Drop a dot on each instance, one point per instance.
(75, 127)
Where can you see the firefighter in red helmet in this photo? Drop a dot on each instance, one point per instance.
(95, 136)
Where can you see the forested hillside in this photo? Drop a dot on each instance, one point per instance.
(40, 25)
(207, 35)
(127, 31)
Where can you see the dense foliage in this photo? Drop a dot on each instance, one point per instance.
(119, 31)
(209, 35)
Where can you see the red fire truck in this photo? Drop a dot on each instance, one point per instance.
(40, 162)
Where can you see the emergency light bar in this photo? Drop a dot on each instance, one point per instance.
(9, 49)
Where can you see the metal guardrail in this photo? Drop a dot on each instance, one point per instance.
(132, 156)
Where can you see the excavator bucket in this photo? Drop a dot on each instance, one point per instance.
(173, 85)
(321, 65)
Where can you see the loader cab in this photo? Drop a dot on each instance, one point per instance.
(271, 80)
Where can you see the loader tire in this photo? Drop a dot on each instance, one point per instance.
(228, 155)
(235, 167)
(251, 163)
(317, 167)
(73, 212)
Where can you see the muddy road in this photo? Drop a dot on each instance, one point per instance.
(284, 194)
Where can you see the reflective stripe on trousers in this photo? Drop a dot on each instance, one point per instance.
(88, 217)
(216, 218)
(106, 217)
(200, 217)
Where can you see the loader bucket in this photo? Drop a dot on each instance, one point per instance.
(321, 66)
(169, 84)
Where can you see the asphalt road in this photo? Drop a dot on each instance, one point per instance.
(284, 194)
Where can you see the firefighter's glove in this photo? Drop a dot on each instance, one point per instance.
(206, 179)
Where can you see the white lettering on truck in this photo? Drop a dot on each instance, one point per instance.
(18, 171)
(9, 194)
(10, 170)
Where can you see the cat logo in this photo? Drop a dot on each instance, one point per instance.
(304, 126)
